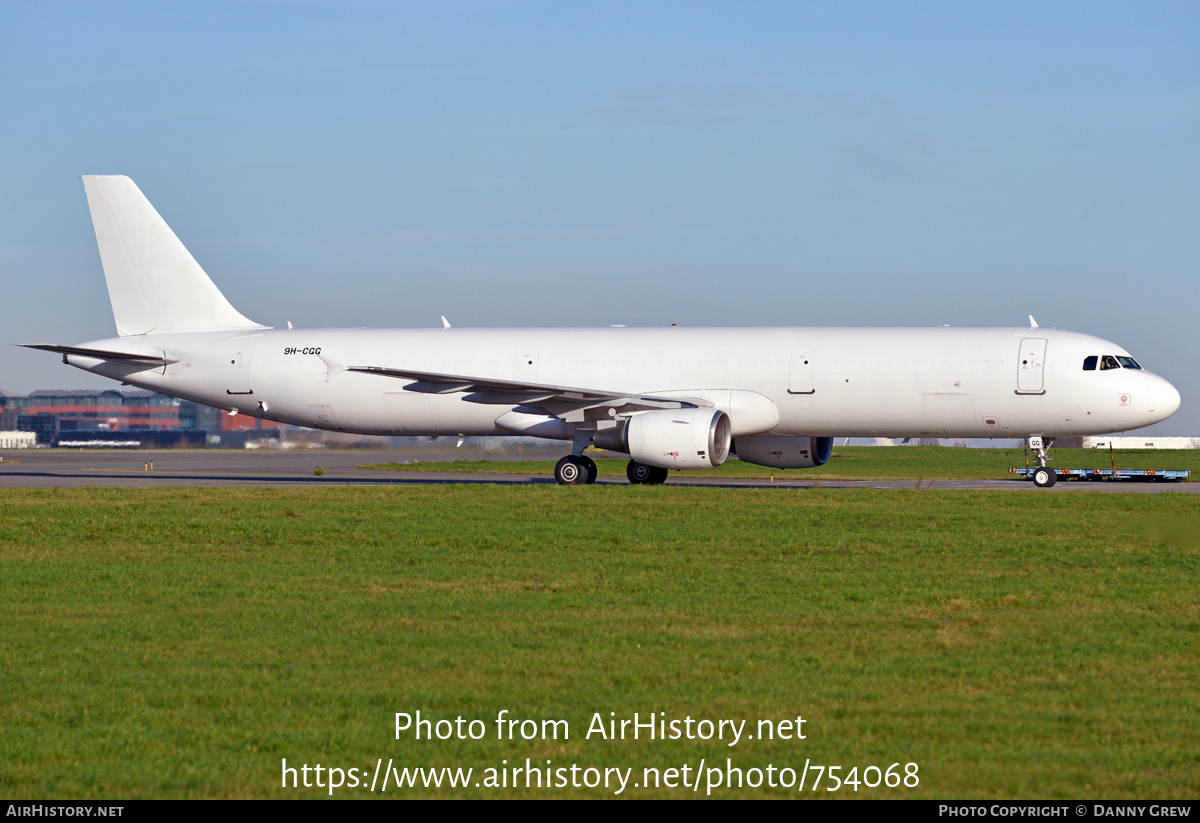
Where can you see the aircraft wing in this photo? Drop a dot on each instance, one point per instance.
(103, 354)
(513, 392)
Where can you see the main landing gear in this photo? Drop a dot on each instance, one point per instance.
(575, 470)
(640, 474)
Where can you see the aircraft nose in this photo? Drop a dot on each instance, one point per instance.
(1164, 400)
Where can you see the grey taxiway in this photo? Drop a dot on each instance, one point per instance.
(65, 468)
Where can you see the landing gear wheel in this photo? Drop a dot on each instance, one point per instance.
(1044, 478)
(571, 471)
(640, 474)
(589, 467)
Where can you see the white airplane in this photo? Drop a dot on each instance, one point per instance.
(671, 398)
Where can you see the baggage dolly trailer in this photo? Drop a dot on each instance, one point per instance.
(1045, 476)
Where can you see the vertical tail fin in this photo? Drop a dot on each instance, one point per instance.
(154, 283)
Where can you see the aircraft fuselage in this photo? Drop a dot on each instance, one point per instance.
(803, 381)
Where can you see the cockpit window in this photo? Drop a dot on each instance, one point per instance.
(1129, 362)
(1108, 362)
(1089, 363)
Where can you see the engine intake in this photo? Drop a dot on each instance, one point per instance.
(785, 452)
(672, 438)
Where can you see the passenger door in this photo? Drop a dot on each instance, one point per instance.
(238, 376)
(1030, 366)
(800, 374)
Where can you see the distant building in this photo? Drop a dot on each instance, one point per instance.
(1103, 441)
(80, 417)
(44, 427)
(8, 417)
(104, 410)
(17, 440)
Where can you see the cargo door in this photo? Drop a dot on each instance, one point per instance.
(409, 412)
(951, 414)
(323, 417)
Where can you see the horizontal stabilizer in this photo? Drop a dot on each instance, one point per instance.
(101, 354)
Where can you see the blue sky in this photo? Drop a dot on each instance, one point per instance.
(586, 164)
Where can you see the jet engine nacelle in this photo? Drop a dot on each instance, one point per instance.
(672, 438)
(785, 452)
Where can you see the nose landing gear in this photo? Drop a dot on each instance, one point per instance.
(1043, 476)
(1042, 446)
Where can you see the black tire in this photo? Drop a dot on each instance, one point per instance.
(1044, 478)
(658, 475)
(589, 466)
(639, 473)
(570, 471)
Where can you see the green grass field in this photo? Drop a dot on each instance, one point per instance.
(176, 642)
(870, 463)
